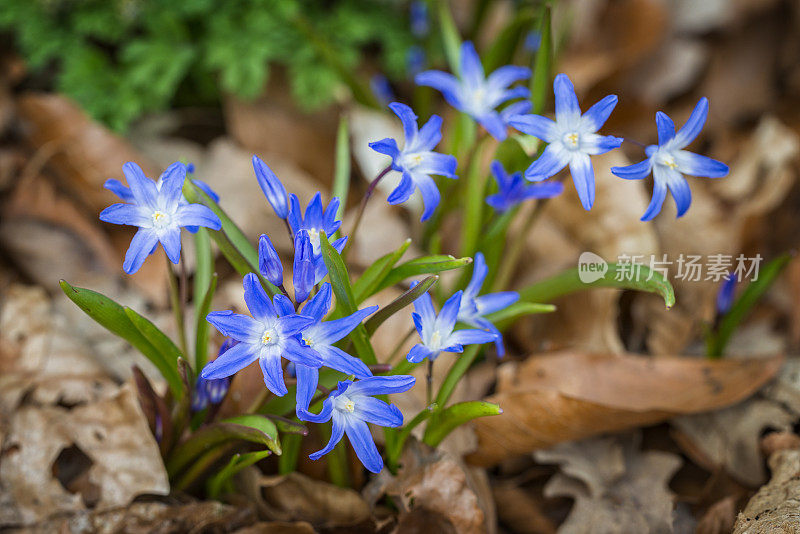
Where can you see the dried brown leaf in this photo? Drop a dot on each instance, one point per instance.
(567, 396)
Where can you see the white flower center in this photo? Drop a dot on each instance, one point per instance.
(160, 219)
(571, 140)
(349, 406)
(667, 160)
(436, 340)
(307, 341)
(268, 337)
(313, 236)
(411, 161)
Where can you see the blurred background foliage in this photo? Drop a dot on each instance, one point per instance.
(122, 58)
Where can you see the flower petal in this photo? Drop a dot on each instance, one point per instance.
(273, 374)
(679, 188)
(129, 214)
(143, 189)
(659, 194)
(171, 241)
(409, 120)
(594, 144)
(403, 191)
(307, 380)
(496, 301)
(471, 337)
(543, 190)
(479, 272)
(337, 432)
(418, 353)
(339, 360)
(256, 299)
(553, 159)
(142, 245)
(597, 115)
(119, 189)
(430, 134)
(471, 68)
(697, 165)
(535, 125)
(197, 215)
(694, 125)
(506, 75)
(377, 412)
(364, 446)
(444, 82)
(430, 194)
(239, 327)
(568, 111)
(666, 128)
(436, 163)
(637, 171)
(171, 191)
(494, 125)
(283, 305)
(272, 187)
(300, 354)
(330, 332)
(583, 177)
(382, 385)
(446, 320)
(230, 362)
(423, 305)
(319, 304)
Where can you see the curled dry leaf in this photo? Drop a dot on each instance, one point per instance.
(435, 488)
(617, 487)
(567, 396)
(776, 506)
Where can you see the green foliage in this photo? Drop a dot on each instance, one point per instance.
(121, 58)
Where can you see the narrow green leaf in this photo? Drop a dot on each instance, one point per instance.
(156, 337)
(340, 282)
(450, 37)
(366, 285)
(112, 316)
(261, 423)
(540, 81)
(237, 463)
(424, 265)
(505, 44)
(341, 177)
(394, 451)
(471, 223)
(287, 426)
(201, 327)
(203, 272)
(398, 304)
(619, 275)
(459, 367)
(216, 434)
(450, 418)
(287, 462)
(518, 309)
(716, 343)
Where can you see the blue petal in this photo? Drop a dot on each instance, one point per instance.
(423, 305)
(283, 305)
(553, 159)
(568, 111)
(339, 360)
(430, 134)
(597, 115)
(418, 353)
(430, 194)
(171, 241)
(583, 177)
(594, 144)
(694, 125)
(337, 431)
(418, 323)
(330, 332)
(536, 125)
(319, 304)
(206, 189)
(271, 186)
(637, 171)
(256, 299)
(197, 215)
(500, 175)
(382, 385)
(143, 189)
(386, 146)
(119, 189)
(697, 165)
(408, 118)
(666, 128)
(403, 191)
(446, 320)
(230, 362)
(142, 245)
(496, 301)
(377, 412)
(494, 124)
(659, 194)
(129, 214)
(679, 188)
(295, 352)
(505, 76)
(479, 272)
(445, 83)
(172, 185)
(364, 446)
(235, 325)
(515, 92)
(471, 68)
(471, 337)
(511, 111)
(293, 324)
(544, 190)
(313, 218)
(269, 263)
(435, 163)
(321, 417)
(295, 216)
(304, 271)
(329, 222)
(273, 375)
(307, 379)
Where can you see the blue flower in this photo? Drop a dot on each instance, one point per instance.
(316, 220)
(473, 308)
(303, 269)
(668, 160)
(266, 336)
(572, 138)
(533, 40)
(269, 263)
(381, 88)
(475, 94)
(320, 337)
(213, 390)
(512, 189)
(272, 187)
(158, 210)
(726, 294)
(417, 161)
(352, 406)
(437, 332)
(415, 60)
(419, 18)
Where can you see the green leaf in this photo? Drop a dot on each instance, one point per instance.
(394, 451)
(253, 428)
(341, 177)
(540, 81)
(450, 37)
(237, 463)
(201, 324)
(619, 275)
(287, 426)
(447, 420)
(718, 340)
(340, 282)
(398, 304)
(425, 265)
(471, 223)
(518, 309)
(459, 367)
(113, 317)
(156, 337)
(367, 284)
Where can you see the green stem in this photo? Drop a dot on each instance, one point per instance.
(393, 453)
(361, 208)
(514, 252)
(458, 369)
(177, 303)
(200, 466)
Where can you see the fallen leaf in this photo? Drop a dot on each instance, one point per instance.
(519, 511)
(617, 487)
(566, 396)
(719, 517)
(775, 507)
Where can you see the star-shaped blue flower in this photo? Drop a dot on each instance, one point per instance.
(314, 222)
(417, 161)
(475, 94)
(572, 138)
(320, 337)
(668, 161)
(513, 189)
(437, 331)
(474, 308)
(352, 406)
(159, 211)
(266, 336)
